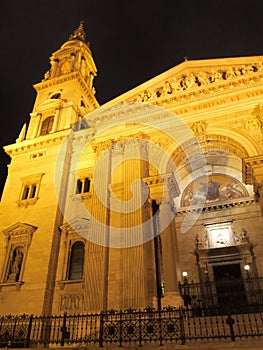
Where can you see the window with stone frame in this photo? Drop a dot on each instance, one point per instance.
(18, 240)
(47, 125)
(72, 258)
(82, 184)
(30, 189)
(76, 260)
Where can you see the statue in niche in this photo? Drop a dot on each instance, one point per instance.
(15, 266)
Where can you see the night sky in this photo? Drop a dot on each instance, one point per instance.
(131, 41)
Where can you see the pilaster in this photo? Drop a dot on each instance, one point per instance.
(253, 175)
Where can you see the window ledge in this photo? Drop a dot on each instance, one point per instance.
(82, 196)
(26, 202)
(16, 285)
(69, 282)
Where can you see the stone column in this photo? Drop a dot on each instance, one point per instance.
(253, 175)
(163, 188)
(56, 119)
(169, 242)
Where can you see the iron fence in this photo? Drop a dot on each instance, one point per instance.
(129, 327)
(226, 296)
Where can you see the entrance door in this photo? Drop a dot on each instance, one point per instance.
(229, 285)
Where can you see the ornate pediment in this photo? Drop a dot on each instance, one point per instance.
(78, 225)
(195, 77)
(19, 229)
(195, 81)
(19, 233)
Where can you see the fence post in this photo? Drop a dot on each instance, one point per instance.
(120, 329)
(101, 330)
(160, 327)
(64, 329)
(140, 327)
(230, 321)
(29, 331)
(181, 317)
(10, 342)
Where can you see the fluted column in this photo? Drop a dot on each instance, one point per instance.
(163, 188)
(169, 254)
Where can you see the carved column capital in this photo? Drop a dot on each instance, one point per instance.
(163, 187)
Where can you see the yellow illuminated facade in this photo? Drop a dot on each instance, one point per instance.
(105, 206)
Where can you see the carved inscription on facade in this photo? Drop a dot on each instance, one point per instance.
(71, 302)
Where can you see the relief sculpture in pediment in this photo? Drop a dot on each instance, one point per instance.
(197, 79)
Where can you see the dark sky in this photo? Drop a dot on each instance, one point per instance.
(132, 41)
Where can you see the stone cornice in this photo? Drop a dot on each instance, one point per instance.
(44, 84)
(184, 104)
(216, 206)
(249, 164)
(36, 143)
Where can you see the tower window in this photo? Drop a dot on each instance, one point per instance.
(29, 191)
(83, 185)
(76, 261)
(47, 126)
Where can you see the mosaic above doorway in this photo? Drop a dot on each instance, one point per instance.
(217, 187)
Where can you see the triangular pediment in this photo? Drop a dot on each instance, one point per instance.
(19, 228)
(194, 78)
(49, 103)
(75, 224)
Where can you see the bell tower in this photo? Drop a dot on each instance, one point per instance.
(66, 92)
(30, 214)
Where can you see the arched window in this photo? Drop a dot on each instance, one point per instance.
(76, 261)
(47, 125)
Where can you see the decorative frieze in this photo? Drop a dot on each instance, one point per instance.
(200, 80)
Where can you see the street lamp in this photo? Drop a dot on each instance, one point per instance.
(185, 274)
(186, 296)
(247, 268)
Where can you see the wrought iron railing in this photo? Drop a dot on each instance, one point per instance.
(225, 297)
(129, 327)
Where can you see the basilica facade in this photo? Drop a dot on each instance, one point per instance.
(141, 202)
